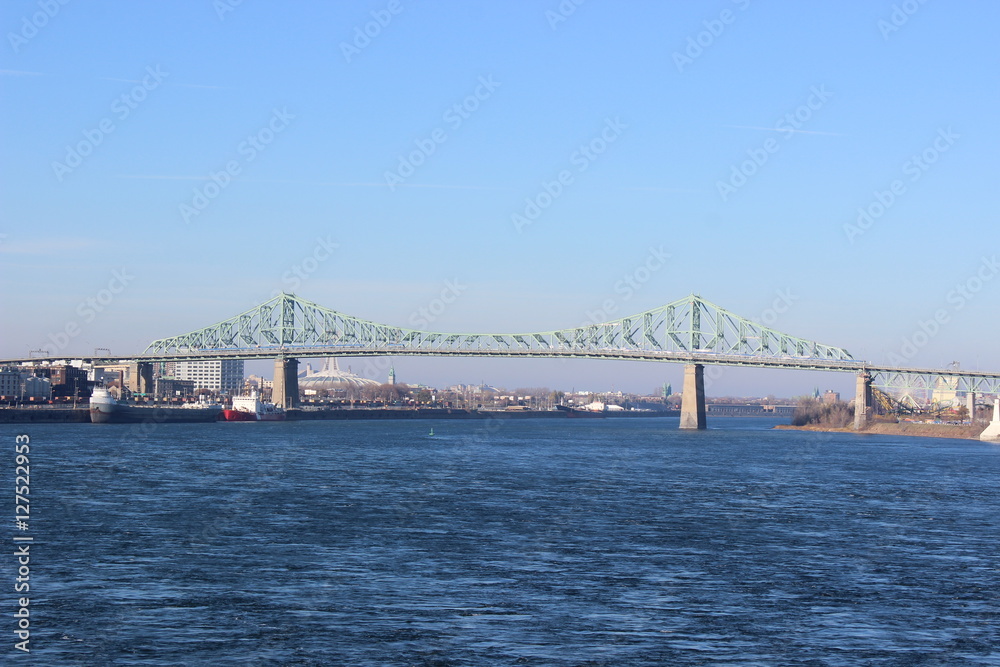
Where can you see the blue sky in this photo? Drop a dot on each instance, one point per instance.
(181, 162)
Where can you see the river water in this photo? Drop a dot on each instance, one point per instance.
(523, 542)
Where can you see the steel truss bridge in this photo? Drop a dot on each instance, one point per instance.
(691, 330)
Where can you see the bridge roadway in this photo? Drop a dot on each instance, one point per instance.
(986, 382)
(706, 358)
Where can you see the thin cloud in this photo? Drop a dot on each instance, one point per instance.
(660, 189)
(111, 78)
(410, 185)
(43, 246)
(784, 129)
(16, 72)
(444, 187)
(169, 177)
(201, 85)
(169, 83)
(155, 177)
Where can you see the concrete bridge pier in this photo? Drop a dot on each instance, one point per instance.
(144, 374)
(992, 431)
(863, 401)
(693, 397)
(138, 377)
(285, 393)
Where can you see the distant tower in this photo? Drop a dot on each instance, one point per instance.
(816, 393)
(667, 390)
(392, 375)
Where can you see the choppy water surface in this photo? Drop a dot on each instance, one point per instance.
(536, 542)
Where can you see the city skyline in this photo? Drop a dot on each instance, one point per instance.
(505, 168)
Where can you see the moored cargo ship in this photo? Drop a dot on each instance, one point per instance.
(251, 408)
(106, 409)
(577, 413)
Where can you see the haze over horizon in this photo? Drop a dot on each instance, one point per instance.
(505, 167)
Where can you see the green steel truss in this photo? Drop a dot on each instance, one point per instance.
(688, 329)
(925, 382)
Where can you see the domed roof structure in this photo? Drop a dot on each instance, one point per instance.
(331, 378)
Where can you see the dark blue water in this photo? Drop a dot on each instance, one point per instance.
(537, 542)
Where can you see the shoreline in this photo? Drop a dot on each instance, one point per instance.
(908, 429)
(82, 415)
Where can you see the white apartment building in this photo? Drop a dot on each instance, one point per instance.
(224, 375)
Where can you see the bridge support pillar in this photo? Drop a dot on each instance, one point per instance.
(144, 378)
(137, 377)
(286, 383)
(693, 397)
(970, 404)
(992, 431)
(863, 401)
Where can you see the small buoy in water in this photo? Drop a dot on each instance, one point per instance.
(432, 431)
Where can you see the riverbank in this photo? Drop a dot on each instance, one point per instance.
(909, 429)
(53, 415)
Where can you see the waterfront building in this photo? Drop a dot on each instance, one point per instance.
(25, 385)
(10, 383)
(259, 383)
(66, 381)
(946, 392)
(221, 375)
(169, 387)
(37, 388)
(331, 379)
